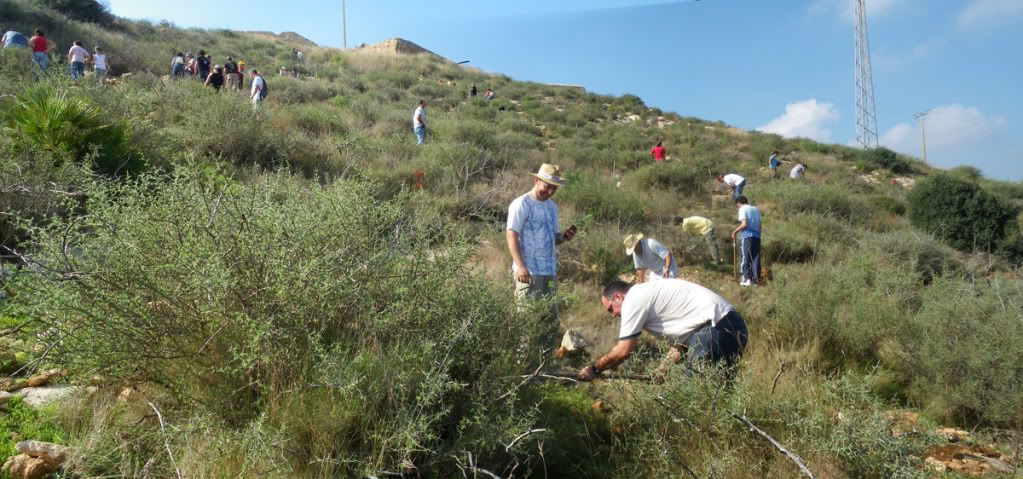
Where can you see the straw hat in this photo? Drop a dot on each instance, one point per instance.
(550, 174)
(631, 241)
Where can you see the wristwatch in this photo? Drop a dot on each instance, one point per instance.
(596, 370)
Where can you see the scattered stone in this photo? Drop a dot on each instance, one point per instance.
(573, 341)
(43, 378)
(600, 406)
(4, 397)
(953, 435)
(42, 396)
(903, 422)
(35, 460)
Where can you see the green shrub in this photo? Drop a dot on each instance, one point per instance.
(798, 197)
(84, 10)
(65, 125)
(888, 204)
(22, 423)
(603, 200)
(676, 177)
(960, 212)
(883, 158)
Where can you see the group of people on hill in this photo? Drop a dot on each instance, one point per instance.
(701, 325)
(228, 76)
(77, 56)
(487, 95)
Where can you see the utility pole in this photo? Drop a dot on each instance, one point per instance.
(923, 136)
(866, 123)
(344, 26)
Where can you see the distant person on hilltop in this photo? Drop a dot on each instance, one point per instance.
(76, 57)
(258, 92)
(701, 325)
(532, 234)
(241, 74)
(489, 95)
(698, 225)
(419, 122)
(748, 233)
(650, 256)
(178, 66)
(734, 183)
(202, 63)
(658, 151)
(216, 78)
(472, 90)
(13, 39)
(797, 171)
(99, 64)
(40, 49)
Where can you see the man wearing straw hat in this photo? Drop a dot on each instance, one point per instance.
(652, 259)
(532, 234)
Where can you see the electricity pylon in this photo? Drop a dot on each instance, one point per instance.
(866, 122)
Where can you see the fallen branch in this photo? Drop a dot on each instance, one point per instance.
(781, 369)
(166, 444)
(520, 436)
(14, 329)
(777, 445)
(528, 378)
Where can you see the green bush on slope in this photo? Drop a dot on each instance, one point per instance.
(960, 212)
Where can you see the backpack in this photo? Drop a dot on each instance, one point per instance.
(263, 91)
(230, 67)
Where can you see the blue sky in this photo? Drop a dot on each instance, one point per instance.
(779, 66)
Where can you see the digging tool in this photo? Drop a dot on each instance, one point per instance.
(735, 264)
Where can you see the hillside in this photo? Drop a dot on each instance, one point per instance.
(303, 291)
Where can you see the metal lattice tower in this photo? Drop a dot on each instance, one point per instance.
(866, 122)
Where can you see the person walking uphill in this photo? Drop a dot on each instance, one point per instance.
(76, 57)
(657, 151)
(532, 234)
(100, 64)
(748, 233)
(419, 122)
(698, 225)
(695, 319)
(202, 65)
(649, 255)
(258, 92)
(40, 50)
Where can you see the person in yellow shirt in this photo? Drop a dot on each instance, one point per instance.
(698, 225)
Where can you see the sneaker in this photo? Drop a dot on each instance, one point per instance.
(745, 282)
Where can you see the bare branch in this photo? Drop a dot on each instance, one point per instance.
(528, 378)
(14, 329)
(781, 369)
(166, 444)
(777, 445)
(520, 436)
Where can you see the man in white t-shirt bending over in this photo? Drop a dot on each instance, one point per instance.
(653, 260)
(693, 318)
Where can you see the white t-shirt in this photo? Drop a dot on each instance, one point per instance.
(733, 179)
(78, 54)
(100, 60)
(797, 171)
(178, 60)
(536, 222)
(420, 111)
(672, 308)
(257, 85)
(651, 256)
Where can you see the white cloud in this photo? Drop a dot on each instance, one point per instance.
(803, 119)
(947, 127)
(981, 14)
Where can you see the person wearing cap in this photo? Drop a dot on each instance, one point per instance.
(748, 232)
(697, 321)
(734, 183)
(698, 225)
(650, 255)
(532, 235)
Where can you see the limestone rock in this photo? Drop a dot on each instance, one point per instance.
(41, 396)
(953, 435)
(23, 466)
(4, 397)
(574, 341)
(53, 454)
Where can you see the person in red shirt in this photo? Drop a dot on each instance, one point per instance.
(40, 49)
(658, 152)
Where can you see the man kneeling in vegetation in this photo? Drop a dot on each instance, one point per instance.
(696, 320)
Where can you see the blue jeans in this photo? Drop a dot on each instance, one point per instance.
(420, 135)
(737, 190)
(177, 70)
(77, 70)
(41, 59)
(750, 253)
(724, 341)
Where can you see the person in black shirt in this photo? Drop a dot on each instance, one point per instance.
(216, 78)
(203, 64)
